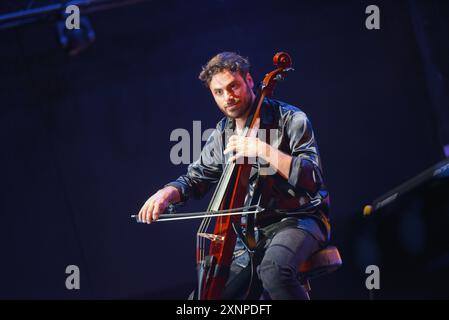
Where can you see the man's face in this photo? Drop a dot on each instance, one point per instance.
(232, 93)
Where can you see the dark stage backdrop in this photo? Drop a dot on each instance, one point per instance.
(85, 140)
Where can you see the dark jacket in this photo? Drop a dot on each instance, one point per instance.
(292, 133)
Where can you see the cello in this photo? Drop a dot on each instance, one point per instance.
(230, 193)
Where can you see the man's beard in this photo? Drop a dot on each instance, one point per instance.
(243, 108)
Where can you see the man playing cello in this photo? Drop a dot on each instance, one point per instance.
(292, 155)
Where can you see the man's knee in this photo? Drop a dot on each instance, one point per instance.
(274, 275)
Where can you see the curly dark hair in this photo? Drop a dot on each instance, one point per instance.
(230, 61)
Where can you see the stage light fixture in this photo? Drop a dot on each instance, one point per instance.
(76, 40)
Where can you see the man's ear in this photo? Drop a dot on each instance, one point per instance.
(249, 80)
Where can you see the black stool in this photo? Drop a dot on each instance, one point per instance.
(322, 262)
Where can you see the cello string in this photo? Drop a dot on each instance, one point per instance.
(218, 194)
(206, 222)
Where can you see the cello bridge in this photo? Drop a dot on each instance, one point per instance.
(211, 237)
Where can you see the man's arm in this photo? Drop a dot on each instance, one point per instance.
(301, 168)
(280, 161)
(305, 168)
(195, 183)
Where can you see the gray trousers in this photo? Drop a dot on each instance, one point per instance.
(278, 268)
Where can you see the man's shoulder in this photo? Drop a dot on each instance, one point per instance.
(284, 109)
